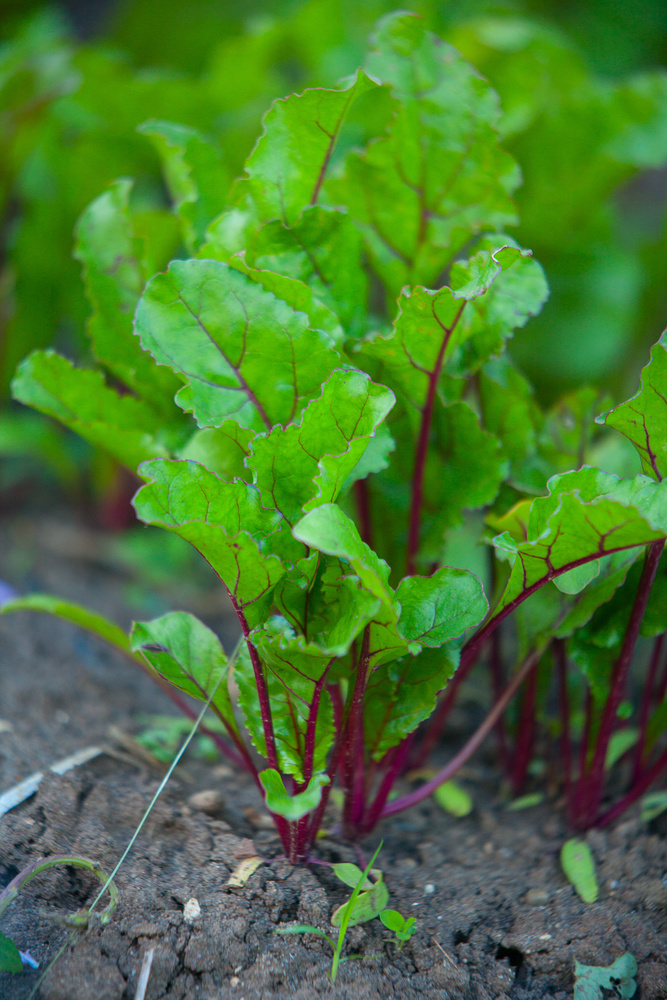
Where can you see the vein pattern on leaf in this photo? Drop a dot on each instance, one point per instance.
(225, 522)
(124, 426)
(588, 514)
(218, 328)
(643, 419)
(324, 250)
(110, 252)
(187, 654)
(287, 167)
(439, 175)
(303, 465)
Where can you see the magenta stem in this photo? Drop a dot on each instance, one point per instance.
(260, 683)
(645, 707)
(637, 790)
(564, 704)
(466, 752)
(422, 445)
(283, 827)
(437, 721)
(362, 497)
(591, 783)
(353, 771)
(395, 769)
(526, 735)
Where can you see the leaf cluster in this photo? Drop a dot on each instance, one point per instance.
(318, 397)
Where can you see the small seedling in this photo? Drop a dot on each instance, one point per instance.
(347, 915)
(591, 980)
(579, 869)
(454, 799)
(10, 956)
(402, 927)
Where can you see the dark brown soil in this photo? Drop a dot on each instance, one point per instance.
(495, 916)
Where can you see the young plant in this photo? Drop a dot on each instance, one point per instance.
(366, 901)
(320, 399)
(10, 956)
(402, 927)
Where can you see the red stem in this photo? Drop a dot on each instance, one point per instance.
(262, 689)
(498, 682)
(526, 735)
(422, 445)
(464, 754)
(362, 498)
(637, 790)
(645, 709)
(283, 827)
(437, 721)
(564, 701)
(311, 726)
(591, 783)
(398, 758)
(353, 773)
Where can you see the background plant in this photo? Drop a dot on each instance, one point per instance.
(338, 334)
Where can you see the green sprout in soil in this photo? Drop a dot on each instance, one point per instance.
(10, 956)
(368, 900)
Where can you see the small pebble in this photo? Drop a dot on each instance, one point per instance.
(429, 888)
(234, 981)
(209, 801)
(191, 911)
(536, 897)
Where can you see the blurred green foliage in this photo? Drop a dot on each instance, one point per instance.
(585, 115)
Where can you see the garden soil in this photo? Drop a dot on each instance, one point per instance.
(495, 916)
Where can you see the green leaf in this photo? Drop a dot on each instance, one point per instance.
(217, 328)
(351, 875)
(287, 167)
(525, 802)
(324, 250)
(328, 529)
(187, 654)
(124, 426)
(111, 254)
(587, 515)
(432, 326)
(368, 904)
(224, 521)
(643, 418)
(10, 958)
(222, 450)
(196, 175)
(70, 612)
(440, 607)
(306, 464)
(438, 176)
(653, 805)
(591, 980)
(394, 921)
(332, 609)
(620, 742)
(296, 294)
(453, 799)
(304, 929)
(579, 869)
(403, 693)
(291, 807)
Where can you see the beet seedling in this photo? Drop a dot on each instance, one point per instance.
(367, 901)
